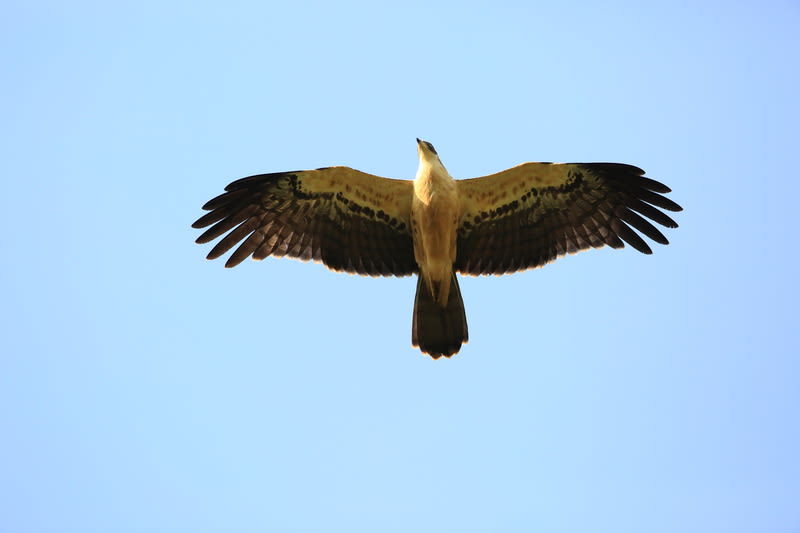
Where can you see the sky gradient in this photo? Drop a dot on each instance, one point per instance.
(143, 388)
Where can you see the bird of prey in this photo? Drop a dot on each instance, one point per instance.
(436, 226)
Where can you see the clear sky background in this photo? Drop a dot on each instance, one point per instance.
(143, 388)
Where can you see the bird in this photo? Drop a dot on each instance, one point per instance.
(435, 226)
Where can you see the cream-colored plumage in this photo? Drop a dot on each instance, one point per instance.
(435, 210)
(435, 226)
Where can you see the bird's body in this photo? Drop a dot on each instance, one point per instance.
(439, 324)
(435, 226)
(435, 211)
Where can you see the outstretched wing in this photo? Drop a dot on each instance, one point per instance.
(348, 220)
(531, 214)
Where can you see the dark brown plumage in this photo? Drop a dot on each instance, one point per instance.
(517, 219)
(595, 204)
(296, 215)
(439, 331)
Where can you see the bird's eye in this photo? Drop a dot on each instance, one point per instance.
(430, 147)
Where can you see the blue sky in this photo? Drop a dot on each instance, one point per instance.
(143, 388)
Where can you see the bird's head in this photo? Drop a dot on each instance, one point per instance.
(427, 152)
(429, 161)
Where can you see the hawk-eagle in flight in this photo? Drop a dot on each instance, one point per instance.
(435, 226)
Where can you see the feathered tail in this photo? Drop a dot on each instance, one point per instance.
(439, 331)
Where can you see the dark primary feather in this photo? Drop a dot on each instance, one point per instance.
(596, 204)
(275, 214)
